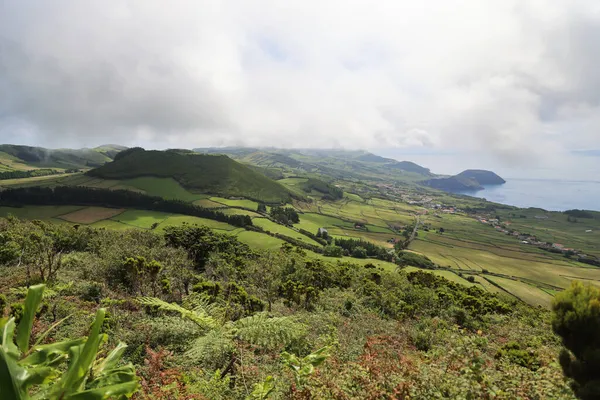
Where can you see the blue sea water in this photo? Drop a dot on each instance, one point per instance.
(549, 194)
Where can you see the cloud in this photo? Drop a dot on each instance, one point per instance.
(512, 79)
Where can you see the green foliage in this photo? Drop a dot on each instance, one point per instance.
(41, 367)
(3, 304)
(219, 336)
(285, 215)
(200, 242)
(262, 390)
(519, 355)
(333, 251)
(365, 249)
(304, 367)
(406, 258)
(359, 252)
(577, 321)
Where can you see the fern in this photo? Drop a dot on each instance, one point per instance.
(200, 318)
(201, 304)
(261, 330)
(214, 344)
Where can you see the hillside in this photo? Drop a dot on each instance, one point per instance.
(468, 180)
(17, 157)
(482, 177)
(453, 184)
(200, 173)
(337, 164)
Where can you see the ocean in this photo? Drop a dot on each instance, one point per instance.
(549, 194)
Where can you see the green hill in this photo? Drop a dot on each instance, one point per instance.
(17, 157)
(199, 173)
(337, 164)
(468, 180)
(482, 177)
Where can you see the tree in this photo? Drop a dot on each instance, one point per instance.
(265, 274)
(576, 320)
(333, 251)
(359, 252)
(261, 208)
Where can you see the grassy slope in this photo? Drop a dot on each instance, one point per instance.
(27, 157)
(198, 173)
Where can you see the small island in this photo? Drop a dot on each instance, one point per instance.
(468, 180)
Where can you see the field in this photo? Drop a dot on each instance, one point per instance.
(498, 262)
(525, 292)
(235, 203)
(89, 215)
(141, 218)
(168, 188)
(273, 227)
(259, 240)
(38, 212)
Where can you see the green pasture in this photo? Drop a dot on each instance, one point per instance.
(292, 181)
(273, 227)
(253, 205)
(168, 188)
(239, 211)
(523, 291)
(259, 240)
(206, 203)
(141, 218)
(176, 220)
(312, 222)
(38, 212)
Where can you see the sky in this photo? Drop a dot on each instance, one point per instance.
(511, 85)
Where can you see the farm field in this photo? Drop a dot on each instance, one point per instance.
(34, 181)
(38, 212)
(253, 205)
(271, 226)
(498, 262)
(206, 203)
(555, 227)
(259, 240)
(523, 291)
(451, 276)
(176, 220)
(141, 218)
(89, 215)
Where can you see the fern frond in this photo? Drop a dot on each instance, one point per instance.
(268, 332)
(22, 292)
(200, 318)
(214, 344)
(201, 304)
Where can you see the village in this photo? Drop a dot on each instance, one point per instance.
(532, 240)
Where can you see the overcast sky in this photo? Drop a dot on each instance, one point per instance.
(499, 83)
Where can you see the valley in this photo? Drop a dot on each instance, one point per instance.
(450, 232)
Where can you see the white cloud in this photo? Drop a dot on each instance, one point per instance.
(511, 79)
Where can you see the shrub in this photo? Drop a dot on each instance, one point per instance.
(577, 321)
(519, 355)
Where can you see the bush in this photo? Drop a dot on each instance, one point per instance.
(406, 258)
(518, 354)
(577, 321)
(333, 251)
